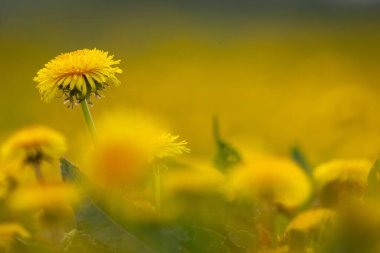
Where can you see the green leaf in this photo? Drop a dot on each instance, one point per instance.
(299, 158)
(242, 238)
(227, 156)
(207, 240)
(373, 179)
(95, 223)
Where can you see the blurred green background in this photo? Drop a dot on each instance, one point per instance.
(277, 73)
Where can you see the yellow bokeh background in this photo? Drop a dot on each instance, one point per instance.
(275, 80)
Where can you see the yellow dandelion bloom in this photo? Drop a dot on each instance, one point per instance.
(8, 231)
(339, 181)
(271, 180)
(142, 134)
(310, 220)
(34, 144)
(167, 146)
(11, 229)
(43, 197)
(201, 179)
(127, 145)
(355, 171)
(77, 75)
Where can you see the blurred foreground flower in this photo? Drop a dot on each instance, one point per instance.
(308, 229)
(272, 181)
(50, 207)
(128, 146)
(200, 180)
(8, 231)
(341, 179)
(199, 184)
(77, 75)
(310, 220)
(34, 145)
(44, 197)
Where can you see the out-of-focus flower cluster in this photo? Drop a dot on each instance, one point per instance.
(257, 203)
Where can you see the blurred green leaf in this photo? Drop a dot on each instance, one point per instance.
(299, 157)
(373, 179)
(242, 238)
(173, 240)
(207, 240)
(227, 156)
(95, 223)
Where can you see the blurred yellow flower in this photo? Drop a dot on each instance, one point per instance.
(342, 170)
(140, 133)
(201, 179)
(272, 180)
(167, 146)
(338, 181)
(34, 144)
(127, 145)
(11, 229)
(77, 75)
(43, 197)
(8, 231)
(310, 220)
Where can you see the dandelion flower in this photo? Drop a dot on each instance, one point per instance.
(8, 231)
(339, 180)
(271, 180)
(141, 134)
(43, 197)
(167, 146)
(127, 145)
(307, 226)
(342, 170)
(77, 75)
(34, 144)
(52, 204)
(310, 220)
(200, 180)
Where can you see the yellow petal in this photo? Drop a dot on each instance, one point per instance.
(81, 84)
(90, 81)
(67, 81)
(99, 78)
(73, 82)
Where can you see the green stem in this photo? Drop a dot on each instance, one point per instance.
(157, 188)
(88, 118)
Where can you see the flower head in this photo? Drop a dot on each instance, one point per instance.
(308, 227)
(340, 180)
(196, 180)
(342, 171)
(8, 232)
(52, 203)
(128, 144)
(34, 144)
(140, 134)
(77, 75)
(272, 180)
(38, 197)
(310, 220)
